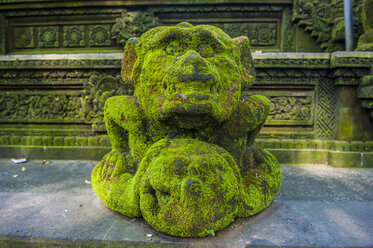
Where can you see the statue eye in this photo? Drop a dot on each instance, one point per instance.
(205, 50)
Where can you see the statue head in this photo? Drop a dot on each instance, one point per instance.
(188, 75)
(189, 187)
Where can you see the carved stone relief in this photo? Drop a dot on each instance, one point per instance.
(132, 24)
(324, 21)
(264, 34)
(23, 37)
(48, 37)
(291, 108)
(18, 107)
(74, 36)
(99, 35)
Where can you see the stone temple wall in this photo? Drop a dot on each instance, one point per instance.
(50, 26)
(61, 60)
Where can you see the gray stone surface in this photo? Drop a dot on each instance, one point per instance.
(74, 56)
(52, 205)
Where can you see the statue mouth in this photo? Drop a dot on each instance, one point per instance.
(192, 96)
(190, 115)
(192, 108)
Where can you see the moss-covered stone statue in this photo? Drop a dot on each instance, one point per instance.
(182, 147)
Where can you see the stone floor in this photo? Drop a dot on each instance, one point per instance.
(54, 206)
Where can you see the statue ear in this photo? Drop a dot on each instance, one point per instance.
(248, 70)
(129, 60)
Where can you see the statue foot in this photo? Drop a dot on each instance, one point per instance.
(260, 182)
(112, 180)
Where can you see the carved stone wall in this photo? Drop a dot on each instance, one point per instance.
(104, 26)
(50, 104)
(57, 100)
(324, 21)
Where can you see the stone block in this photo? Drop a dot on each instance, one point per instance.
(271, 143)
(4, 140)
(37, 141)
(292, 156)
(368, 159)
(15, 140)
(48, 141)
(369, 146)
(342, 146)
(357, 146)
(70, 141)
(315, 144)
(328, 144)
(81, 141)
(345, 159)
(26, 140)
(301, 144)
(275, 143)
(287, 143)
(58, 141)
(104, 141)
(93, 141)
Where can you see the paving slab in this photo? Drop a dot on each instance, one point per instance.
(53, 206)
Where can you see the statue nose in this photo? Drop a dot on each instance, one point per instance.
(192, 58)
(199, 65)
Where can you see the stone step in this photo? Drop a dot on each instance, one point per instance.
(53, 205)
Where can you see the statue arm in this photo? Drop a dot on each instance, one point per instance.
(120, 114)
(254, 111)
(260, 172)
(118, 167)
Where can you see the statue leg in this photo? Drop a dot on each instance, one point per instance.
(112, 177)
(260, 172)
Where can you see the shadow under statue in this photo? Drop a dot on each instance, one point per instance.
(182, 147)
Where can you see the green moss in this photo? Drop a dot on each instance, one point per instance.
(365, 42)
(182, 154)
(260, 182)
(182, 63)
(189, 188)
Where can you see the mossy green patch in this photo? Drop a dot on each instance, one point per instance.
(189, 188)
(183, 155)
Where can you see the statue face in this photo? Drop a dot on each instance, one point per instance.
(187, 75)
(188, 186)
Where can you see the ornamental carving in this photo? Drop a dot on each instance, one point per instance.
(74, 36)
(264, 34)
(48, 37)
(236, 29)
(291, 108)
(25, 107)
(132, 24)
(99, 35)
(325, 21)
(96, 92)
(23, 37)
(325, 123)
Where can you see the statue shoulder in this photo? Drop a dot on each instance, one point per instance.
(124, 108)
